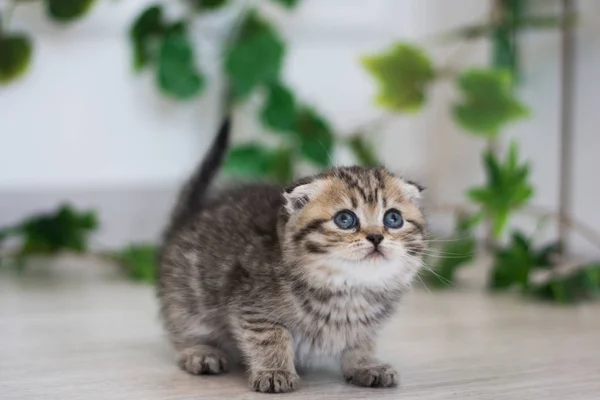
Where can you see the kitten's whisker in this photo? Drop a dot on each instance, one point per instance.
(448, 255)
(457, 239)
(329, 156)
(423, 283)
(423, 265)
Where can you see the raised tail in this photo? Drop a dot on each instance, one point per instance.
(194, 192)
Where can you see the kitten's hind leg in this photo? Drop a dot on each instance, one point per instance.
(203, 359)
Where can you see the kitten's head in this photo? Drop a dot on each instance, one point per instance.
(352, 226)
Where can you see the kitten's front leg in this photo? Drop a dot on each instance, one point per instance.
(269, 353)
(361, 368)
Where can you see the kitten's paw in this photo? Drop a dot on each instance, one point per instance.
(383, 375)
(274, 381)
(203, 360)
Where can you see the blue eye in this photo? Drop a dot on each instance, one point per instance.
(345, 219)
(393, 219)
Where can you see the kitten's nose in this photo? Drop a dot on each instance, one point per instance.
(375, 239)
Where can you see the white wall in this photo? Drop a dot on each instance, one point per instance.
(81, 127)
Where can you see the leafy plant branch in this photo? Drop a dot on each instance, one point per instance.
(16, 48)
(252, 62)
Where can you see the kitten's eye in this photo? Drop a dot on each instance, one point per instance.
(345, 219)
(393, 219)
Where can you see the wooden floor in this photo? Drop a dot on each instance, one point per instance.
(76, 331)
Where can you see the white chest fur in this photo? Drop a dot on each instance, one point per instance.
(326, 328)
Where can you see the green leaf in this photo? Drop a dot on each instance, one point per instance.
(288, 3)
(177, 74)
(514, 263)
(139, 263)
(363, 151)
(208, 5)
(250, 160)
(316, 138)
(279, 110)
(403, 74)
(254, 161)
(68, 10)
(488, 102)
(15, 56)
(63, 230)
(144, 34)
(282, 166)
(255, 58)
(506, 189)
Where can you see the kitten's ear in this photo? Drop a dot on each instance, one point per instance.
(300, 193)
(412, 190)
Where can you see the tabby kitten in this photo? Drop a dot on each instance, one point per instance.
(280, 276)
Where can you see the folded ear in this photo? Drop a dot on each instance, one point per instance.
(412, 190)
(300, 193)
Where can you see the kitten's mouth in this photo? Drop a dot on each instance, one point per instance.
(374, 255)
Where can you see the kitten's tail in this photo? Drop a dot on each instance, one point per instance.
(202, 178)
(194, 192)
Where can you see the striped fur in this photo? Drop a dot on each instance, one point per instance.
(263, 273)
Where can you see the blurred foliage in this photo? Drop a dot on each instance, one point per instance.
(316, 137)
(456, 252)
(250, 160)
(144, 35)
(505, 50)
(252, 63)
(139, 262)
(579, 285)
(403, 73)
(279, 110)
(363, 150)
(167, 47)
(68, 10)
(15, 56)
(16, 48)
(208, 5)
(255, 58)
(177, 74)
(288, 3)
(514, 262)
(65, 229)
(488, 101)
(506, 189)
(254, 161)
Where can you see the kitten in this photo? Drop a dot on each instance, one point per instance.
(284, 275)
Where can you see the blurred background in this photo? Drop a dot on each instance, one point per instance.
(106, 107)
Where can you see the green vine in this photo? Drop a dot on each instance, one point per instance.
(252, 62)
(487, 104)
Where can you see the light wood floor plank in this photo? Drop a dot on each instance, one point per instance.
(74, 330)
